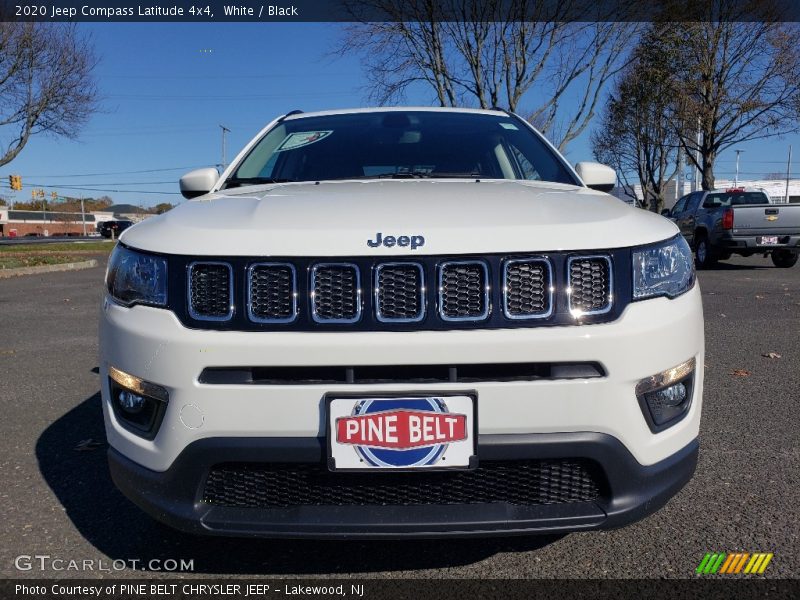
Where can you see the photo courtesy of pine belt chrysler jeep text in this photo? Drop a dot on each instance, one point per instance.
(401, 322)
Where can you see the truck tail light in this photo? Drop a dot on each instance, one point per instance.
(727, 219)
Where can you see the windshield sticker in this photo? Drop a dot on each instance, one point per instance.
(509, 126)
(301, 138)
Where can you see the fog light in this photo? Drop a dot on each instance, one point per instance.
(139, 405)
(130, 402)
(671, 396)
(665, 397)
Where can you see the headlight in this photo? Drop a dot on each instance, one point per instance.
(664, 269)
(136, 278)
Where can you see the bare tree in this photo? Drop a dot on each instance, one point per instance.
(46, 83)
(161, 208)
(735, 79)
(636, 135)
(522, 55)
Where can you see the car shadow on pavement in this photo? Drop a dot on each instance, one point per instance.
(726, 266)
(77, 472)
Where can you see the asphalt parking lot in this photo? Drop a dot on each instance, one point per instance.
(58, 499)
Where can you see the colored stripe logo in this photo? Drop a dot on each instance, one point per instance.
(734, 563)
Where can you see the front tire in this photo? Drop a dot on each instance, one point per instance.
(705, 258)
(784, 259)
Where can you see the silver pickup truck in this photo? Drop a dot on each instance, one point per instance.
(720, 223)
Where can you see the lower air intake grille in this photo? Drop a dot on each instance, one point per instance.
(272, 293)
(210, 291)
(336, 293)
(463, 293)
(521, 483)
(399, 294)
(590, 284)
(528, 292)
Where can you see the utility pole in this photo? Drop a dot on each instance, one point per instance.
(225, 131)
(83, 216)
(44, 212)
(679, 176)
(788, 173)
(696, 185)
(736, 178)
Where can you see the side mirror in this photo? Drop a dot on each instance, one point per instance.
(666, 212)
(596, 176)
(198, 182)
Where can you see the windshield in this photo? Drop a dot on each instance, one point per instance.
(736, 198)
(400, 144)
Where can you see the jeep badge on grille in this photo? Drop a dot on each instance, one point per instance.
(414, 241)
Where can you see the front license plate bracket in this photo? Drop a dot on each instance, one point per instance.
(402, 431)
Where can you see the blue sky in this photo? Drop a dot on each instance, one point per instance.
(167, 87)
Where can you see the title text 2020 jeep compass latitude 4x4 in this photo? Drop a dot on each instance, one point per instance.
(401, 322)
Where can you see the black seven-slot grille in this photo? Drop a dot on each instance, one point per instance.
(335, 293)
(528, 289)
(403, 294)
(272, 295)
(518, 482)
(210, 291)
(463, 291)
(590, 284)
(399, 292)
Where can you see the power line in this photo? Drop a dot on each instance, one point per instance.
(770, 162)
(90, 189)
(127, 183)
(242, 96)
(114, 173)
(215, 76)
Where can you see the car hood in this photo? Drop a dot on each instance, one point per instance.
(454, 217)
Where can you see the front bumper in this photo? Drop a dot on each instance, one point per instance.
(649, 337)
(629, 491)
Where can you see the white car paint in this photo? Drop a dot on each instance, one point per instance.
(456, 217)
(151, 343)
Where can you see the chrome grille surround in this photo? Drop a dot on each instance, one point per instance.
(482, 297)
(547, 293)
(510, 289)
(252, 271)
(600, 273)
(192, 292)
(419, 293)
(316, 296)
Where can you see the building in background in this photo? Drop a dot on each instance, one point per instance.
(128, 212)
(22, 223)
(29, 223)
(774, 188)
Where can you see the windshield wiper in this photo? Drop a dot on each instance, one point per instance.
(240, 181)
(415, 175)
(444, 175)
(382, 176)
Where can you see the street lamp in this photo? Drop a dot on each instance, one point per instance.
(736, 178)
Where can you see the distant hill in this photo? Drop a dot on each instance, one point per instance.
(126, 209)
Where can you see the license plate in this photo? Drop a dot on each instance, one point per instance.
(402, 432)
(769, 240)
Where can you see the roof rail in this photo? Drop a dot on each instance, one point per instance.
(296, 111)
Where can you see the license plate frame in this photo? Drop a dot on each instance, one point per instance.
(335, 450)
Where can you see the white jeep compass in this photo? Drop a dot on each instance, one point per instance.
(401, 322)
